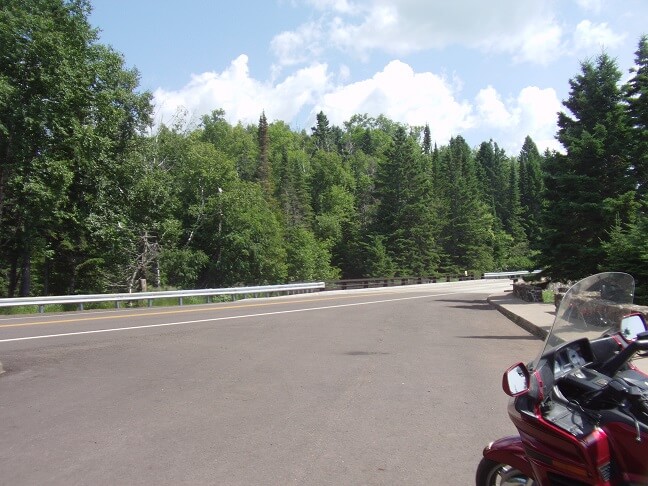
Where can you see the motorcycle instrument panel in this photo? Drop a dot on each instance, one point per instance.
(572, 356)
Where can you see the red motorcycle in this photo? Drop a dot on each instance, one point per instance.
(581, 408)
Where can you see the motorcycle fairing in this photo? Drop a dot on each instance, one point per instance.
(553, 451)
(509, 450)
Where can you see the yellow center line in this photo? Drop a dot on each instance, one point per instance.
(186, 310)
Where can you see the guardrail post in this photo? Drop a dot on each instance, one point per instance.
(150, 303)
(180, 301)
(41, 309)
(80, 306)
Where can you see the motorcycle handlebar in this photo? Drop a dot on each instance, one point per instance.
(614, 364)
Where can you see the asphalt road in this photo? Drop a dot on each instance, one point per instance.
(388, 386)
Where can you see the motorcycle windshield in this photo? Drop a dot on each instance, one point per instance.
(588, 309)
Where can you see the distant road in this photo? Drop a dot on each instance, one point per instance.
(398, 385)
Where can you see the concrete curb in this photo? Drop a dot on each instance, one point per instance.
(520, 321)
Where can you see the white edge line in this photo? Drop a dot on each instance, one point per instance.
(214, 319)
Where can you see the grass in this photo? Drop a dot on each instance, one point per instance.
(548, 296)
(135, 303)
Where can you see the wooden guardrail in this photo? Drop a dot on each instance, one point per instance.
(367, 283)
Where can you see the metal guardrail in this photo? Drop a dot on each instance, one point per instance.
(80, 300)
(521, 273)
(41, 302)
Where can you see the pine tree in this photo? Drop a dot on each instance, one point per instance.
(292, 191)
(264, 169)
(531, 189)
(427, 140)
(513, 220)
(322, 133)
(493, 176)
(405, 216)
(637, 100)
(594, 169)
(467, 223)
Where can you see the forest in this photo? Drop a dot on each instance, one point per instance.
(94, 197)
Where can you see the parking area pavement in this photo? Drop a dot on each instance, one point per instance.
(535, 317)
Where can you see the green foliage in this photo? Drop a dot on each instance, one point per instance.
(626, 250)
(636, 94)
(68, 112)
(376, 261)
(595, 168)
(531, 191)
(89, 202)
(405, 214)
(323, 135)
(245, 239)
(308, 258)
(468, 231)
(181, 267)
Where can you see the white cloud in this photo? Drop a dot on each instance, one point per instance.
(342, 6)
(527, 30)
(537, 116)
(242, 97)
(588, 36)
(397, 91)
(533, 112)
(491, 109)
(541, 44)
(590, 5)
(299, 46)
(404, 96)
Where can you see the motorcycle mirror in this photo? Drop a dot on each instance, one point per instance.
(516, 380)
(632, 325)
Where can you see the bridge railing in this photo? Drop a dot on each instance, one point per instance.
(266, 290)
(80, 300)
(368, 283)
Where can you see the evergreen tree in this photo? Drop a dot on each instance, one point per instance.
(263, 171)
(594, 169)
(427, 140)
(468, 223)
(405, 216)
(512, 221)
(322, 133)
(637, 100)
(531, 190)
(493, 174)
(292, 189)
(626, 249)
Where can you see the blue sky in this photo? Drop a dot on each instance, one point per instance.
(483, 70)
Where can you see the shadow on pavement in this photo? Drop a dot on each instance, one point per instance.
(505, 338)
